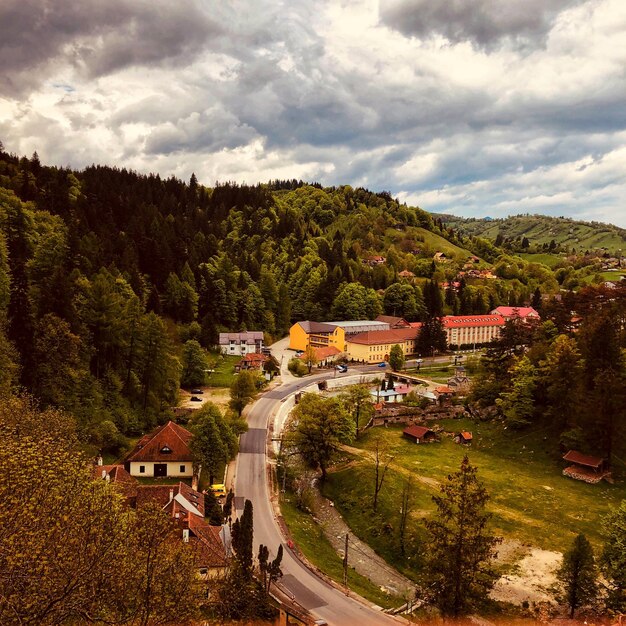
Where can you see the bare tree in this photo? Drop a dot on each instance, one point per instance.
(381, 464)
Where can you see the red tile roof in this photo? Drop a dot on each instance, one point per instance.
(375, 337)
(324, 353)
(466, 435)
(516, 311)
(472, 321)
(444, 389)
(206, 542)
(393, 321)
(254, 357)
(155, 446)
(160, 495)
(573, 456)
(417, 431)
(123, 481)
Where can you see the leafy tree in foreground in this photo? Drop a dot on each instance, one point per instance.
(578, 576)
(460, 548)
(75, 553)
(319, 427)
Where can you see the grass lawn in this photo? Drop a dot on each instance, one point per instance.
(318, 550)
(224, 374)
(531, 501)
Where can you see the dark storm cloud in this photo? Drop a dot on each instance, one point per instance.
(484, 22)
(96, 37)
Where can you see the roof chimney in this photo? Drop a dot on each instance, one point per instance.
(171, 494)
(185, 535)
(99, 460)
(104, 474)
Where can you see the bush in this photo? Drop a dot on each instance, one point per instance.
(297, 367)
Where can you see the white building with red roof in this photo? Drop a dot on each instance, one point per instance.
(164, 452)
(472, 330)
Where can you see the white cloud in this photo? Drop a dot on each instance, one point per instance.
(507, 112)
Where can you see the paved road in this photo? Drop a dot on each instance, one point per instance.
(314, 594)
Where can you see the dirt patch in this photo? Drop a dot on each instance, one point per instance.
(217, 395)
(533, 574)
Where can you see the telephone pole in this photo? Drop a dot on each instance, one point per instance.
(345, 566)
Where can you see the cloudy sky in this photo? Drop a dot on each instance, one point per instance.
(474, 107)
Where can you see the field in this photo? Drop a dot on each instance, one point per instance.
(531, 502)
(224, 370)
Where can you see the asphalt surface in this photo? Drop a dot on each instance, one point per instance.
(313, 593)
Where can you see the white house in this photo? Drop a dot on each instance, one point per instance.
(162, 453)
(239, 344)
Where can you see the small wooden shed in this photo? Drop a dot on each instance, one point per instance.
(463, 437)
(420, 434)
(590, 469)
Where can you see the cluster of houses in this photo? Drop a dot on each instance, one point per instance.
(165, 453)
(370, 341)
(250, 347)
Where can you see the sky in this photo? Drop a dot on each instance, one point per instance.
(472, 107)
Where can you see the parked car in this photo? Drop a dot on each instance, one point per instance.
(342, 368)
(218, 490)
(383, 364)
(199, 391)
(196, 399)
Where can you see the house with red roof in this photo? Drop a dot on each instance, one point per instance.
(516, 312)
(163, 453)
(419, 434)
(393, 321)
(186, 507)
(464, 437)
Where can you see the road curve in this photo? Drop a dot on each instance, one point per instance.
(313, 593)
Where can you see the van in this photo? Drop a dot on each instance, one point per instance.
(218, 490)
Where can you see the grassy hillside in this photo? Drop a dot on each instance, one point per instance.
(540, 229)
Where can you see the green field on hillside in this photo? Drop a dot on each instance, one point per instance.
(521, 471)
(540, 229)
(440, 244)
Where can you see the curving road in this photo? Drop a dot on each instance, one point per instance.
(314, 594)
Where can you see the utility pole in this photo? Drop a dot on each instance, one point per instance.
(345, 566)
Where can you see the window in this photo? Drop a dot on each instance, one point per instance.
(182, 469)
(142, 469)
(166, 449)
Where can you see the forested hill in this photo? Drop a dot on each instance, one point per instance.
(540, 233)
(106, 276)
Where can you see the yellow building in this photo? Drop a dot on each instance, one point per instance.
(375, 346)
(316, 334)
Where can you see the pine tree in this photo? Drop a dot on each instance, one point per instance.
(460, 548)
(578, 576)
